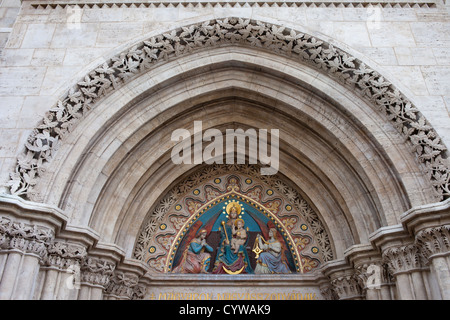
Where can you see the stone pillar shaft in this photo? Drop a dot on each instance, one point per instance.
(404, 263)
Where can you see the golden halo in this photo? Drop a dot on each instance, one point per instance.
(234, 204)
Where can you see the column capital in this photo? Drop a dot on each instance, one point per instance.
(96, 271)
(62, 255)
(369, 266)
(26, 238)
(343, 280)
(434, 241)
(122, 285)
(403, 259)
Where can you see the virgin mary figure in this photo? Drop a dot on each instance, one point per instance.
(231, 260)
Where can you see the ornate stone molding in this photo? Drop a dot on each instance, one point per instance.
(96, 272)
(434, 241)
(45, 140)
(233, 4)
(30, 239)
(402, 259)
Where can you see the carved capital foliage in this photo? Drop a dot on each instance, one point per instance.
(96, 271)
(23, 237)
(122, 285)
(45, 140)
(62, 255)
(402, 259)
(347, 287)
(434, 241)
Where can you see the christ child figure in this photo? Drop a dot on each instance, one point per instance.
(239, 235)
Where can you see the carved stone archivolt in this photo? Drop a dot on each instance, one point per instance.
(46, 138)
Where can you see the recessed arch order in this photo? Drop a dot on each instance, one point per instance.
(351, 141)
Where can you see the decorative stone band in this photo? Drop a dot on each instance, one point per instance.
(62, 255)
(234, 4)
(29, 239)
(122, 285)
(96, 272)
(402, 259)
(434, 241)
(42, 144)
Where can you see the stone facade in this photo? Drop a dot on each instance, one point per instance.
(91, 92)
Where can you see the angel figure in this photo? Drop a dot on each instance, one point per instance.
(197, 256)
(271, 259)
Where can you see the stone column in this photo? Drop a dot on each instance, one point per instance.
(404, 263)
(62, 269)
(95, 277)
(24, 246)
(434, 243)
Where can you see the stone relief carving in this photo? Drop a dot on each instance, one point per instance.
(59, 120)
